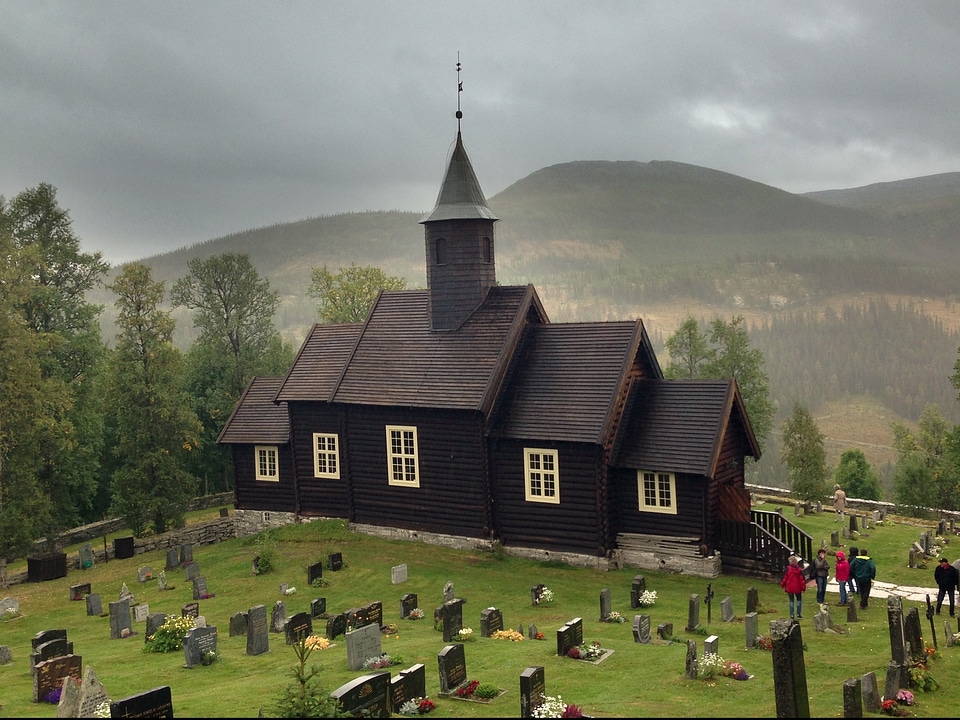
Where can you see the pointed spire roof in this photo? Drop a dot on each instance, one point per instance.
(460, 195)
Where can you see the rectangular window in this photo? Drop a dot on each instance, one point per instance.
(657, 491)
(326, 456)
(266, 463)
(542, 475)
(402, 459)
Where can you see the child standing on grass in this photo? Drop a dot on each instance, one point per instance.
(794, 584)
(843, 575)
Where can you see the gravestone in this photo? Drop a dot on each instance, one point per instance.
(190, 610)
(144, 573)
(852, 616)
(9, 605)
(140, 612)
(711, 646)
(533, 631)
(58, 647)
(371, 614)
(200, 621)
(314, 572)
(362, 644)
(835, 538)
(637, 588)
(897, 677)
(870, 692)
(693, 613)
(238, 624)
(318, 607)
(94, 606)
(124, 548)
(125, 594)
(367, 696)
(335, 561)
(912, 558)
(451, 614)
(410, 684)
(690, 661)
(726, 610)
(79, 592)
(200, 588)
(398, 574)
(278, 616)
(751, 625)
(852, 698)
(665, 631)
(298, 626)
(533, 688)
(87, 558)
(162, 583)
(606, 605)
(452, 663)
(569, 636)
(284, 587)
(191, 570)
(46, 636)
(853, 523)
(641, 628)
(172, 560)
(120, 619)
(197, 643)
(258, 639)
(914, 635)
(898, 641)
(69, 705)
(491, 620)
(155, 703)
(154, 622)
(789, 671)
(408, 603)
(6, 655)
(336, 626)
(186, 553)
(49, 674)
(536, 593)
(448, 593)
(224, 512)
(255, 570)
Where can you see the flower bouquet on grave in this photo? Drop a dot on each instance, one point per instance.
(316, 642)
(587, 651)
(418, 706)
(764, 642)
(415, 614)
(615, 617)
(467, 689)
(647, 598)
(507, 635)
(555, 707)
(734, 670)
(464, 634)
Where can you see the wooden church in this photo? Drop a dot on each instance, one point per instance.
(461, 415)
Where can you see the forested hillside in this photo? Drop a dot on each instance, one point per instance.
(833, 284)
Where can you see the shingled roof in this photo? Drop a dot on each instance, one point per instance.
(677, 425)
(256, 418)
(398, 360)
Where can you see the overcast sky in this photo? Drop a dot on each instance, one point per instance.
(163, 123)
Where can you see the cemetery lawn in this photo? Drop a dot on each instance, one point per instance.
(636, 680)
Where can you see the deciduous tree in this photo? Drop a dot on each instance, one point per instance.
(855, 475)
(348, 295)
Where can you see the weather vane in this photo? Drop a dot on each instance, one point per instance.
(459, 90)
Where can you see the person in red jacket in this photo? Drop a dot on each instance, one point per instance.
(794, 584)
(843, 575)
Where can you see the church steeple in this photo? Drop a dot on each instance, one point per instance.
(459, 242)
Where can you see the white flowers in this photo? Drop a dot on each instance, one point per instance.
(551, 707)
(464, 633)
(616, 617)
(647, 598)
(710, 664)
(546, 595)
(290, 591)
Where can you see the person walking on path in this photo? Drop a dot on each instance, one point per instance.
(794, 584)
(843, 575)
(821, 571)
(948, 578)
(839, 502)
(864, 570)
(852, 582)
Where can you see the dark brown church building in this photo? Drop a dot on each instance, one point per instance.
(460, 414)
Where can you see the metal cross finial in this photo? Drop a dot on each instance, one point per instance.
(459, 90)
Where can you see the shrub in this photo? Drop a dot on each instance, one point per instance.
(170, 635)
(306, 698)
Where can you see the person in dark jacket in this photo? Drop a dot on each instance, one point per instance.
(794, 584)
(821, 571)
(864, 570)
(948, 578)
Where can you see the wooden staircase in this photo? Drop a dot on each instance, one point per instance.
(763, 546)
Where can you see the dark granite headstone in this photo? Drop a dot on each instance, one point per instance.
(58, 647)
(191, 570)
(49, 673)
(156, 703)
(172, 559)
(789, 671)
(753, 600)
(367, 696)
(199, 588)
(606, 604)
(569, 636)
(693, 614)
(124, 547)
(533, 688)
(665, 631)
(335, 561)
(191, 610)
(641, 628)
(852, 698)
(154, 622)
(452, 617)
(197, 643)
(79, 592)
(751, 626)
(318, 607)
(898, 641)
(336, 626)
(298, 626)
(637, 588)
(238, 624)
(408, 603)
(258, 639)
(186, 553)
(870, 692)
(46, 636)
(120, 619)
(491, 620)
(452, 663)
(914, 635)
(536, 593)
(410, 684)
(690, 661)
(362, 644)
(314, 572)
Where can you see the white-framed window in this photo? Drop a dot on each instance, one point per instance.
(541, 472)
(402, 459)
(326, 456)
(657, 491)
(265, 461)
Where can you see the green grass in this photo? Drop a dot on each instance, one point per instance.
(638, 680)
